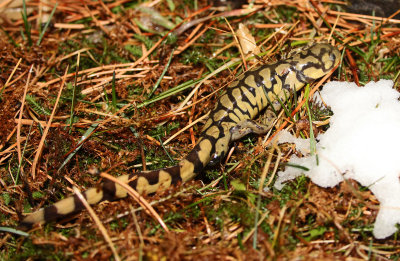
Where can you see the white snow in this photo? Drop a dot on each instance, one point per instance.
(362, 143)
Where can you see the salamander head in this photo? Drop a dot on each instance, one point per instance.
(315, 61)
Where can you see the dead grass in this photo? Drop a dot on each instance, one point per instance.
(105, 59)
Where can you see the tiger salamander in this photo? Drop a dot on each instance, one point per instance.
(230, 120)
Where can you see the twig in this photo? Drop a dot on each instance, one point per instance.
(238, 44)
(225, 66)
(98, 222)
(20, 115)
(135, 195)
(185, 128)
(11, 75)
(41, 143)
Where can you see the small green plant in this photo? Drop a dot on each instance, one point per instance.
(36, 106)
(27, 25)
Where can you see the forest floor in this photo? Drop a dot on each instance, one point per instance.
(124, 86)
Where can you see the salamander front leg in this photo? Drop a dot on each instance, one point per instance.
(246, 127)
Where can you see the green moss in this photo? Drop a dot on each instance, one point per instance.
(197, 55)
(236, 211)
(134, 50)
(287, 13)
(6, 198)
(144, 39)
(37, 195)
(30, 251)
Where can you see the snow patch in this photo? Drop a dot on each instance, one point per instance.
(362, 143)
